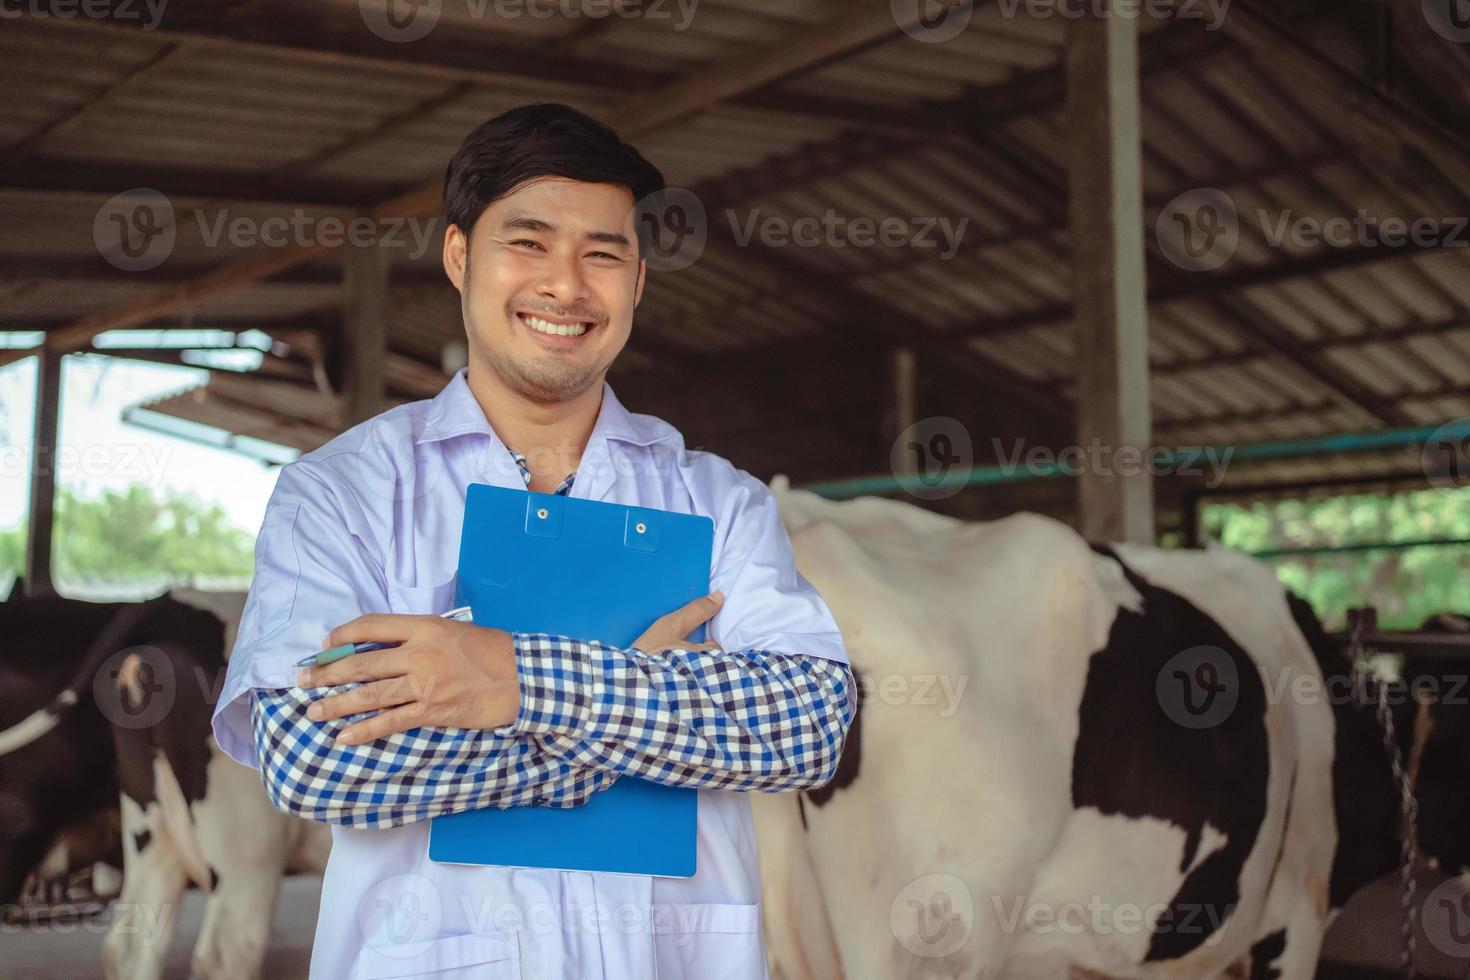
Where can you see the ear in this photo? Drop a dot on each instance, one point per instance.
(642, 278)
(456, 252)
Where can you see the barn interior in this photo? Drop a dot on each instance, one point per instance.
(1231, 235)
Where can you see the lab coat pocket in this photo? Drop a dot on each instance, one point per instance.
(708, 942)
(428, 600)
(487, 955)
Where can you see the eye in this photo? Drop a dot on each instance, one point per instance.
(607, 255)
(526, 241)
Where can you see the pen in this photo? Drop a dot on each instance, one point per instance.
(460, 615)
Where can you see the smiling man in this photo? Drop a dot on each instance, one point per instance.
(360, 543)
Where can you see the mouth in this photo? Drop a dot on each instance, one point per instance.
(556, 331)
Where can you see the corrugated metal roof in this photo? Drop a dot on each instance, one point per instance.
(1286, 340)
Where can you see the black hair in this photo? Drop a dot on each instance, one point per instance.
(547, 139)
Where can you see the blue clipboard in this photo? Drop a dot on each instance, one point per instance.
(626, 566)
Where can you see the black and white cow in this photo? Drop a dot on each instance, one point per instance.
(109, 703)
(1076, 761)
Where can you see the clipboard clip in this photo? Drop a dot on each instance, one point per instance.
(640, 532)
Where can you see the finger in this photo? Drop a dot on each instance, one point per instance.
(690, 616)
(400, 719)
(358, 667)
(377, 628)
(379, 694)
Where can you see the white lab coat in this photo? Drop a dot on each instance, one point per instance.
(372, 521)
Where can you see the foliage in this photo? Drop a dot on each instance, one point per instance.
(1407, 584)
(133, 536)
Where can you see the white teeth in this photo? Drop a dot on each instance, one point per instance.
(558, 329)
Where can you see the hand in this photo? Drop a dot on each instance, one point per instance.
(445, 673)
(671, 631)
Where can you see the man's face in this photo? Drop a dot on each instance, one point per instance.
(548, 285)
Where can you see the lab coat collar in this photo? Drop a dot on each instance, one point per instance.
(454, 412)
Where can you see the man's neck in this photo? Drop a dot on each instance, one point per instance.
(551, 436)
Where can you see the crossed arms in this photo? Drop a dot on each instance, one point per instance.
(589, 713)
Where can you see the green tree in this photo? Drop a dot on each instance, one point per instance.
(1378, 565)
(131, 535)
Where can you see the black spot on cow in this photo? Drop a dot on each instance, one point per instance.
(1133, 760)
(1363, 796)
(190, 642)
(852, 749)
(141, 840)
(1443, 786)
(54, 649)
(1264, 954)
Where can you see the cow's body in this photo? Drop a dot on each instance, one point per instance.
(1060, 817)
(188, 813)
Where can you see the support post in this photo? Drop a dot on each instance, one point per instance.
(43, 473)
(1106, 191)
(903, 401)
(364, 330)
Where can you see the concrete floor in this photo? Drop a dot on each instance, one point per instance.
(1361, 944)
(76, 954)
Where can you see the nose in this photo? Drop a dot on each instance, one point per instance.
(562, 280)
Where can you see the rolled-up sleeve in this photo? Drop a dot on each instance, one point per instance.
(746, 720)
(312, 573)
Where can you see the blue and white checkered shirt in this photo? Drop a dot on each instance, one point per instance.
(590, 712)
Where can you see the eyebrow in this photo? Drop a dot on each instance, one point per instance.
(532, 223)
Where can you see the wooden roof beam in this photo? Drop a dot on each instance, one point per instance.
(856, 27)
(317, 36)
(1375, 122)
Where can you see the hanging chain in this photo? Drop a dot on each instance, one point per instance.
(1408, 806)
